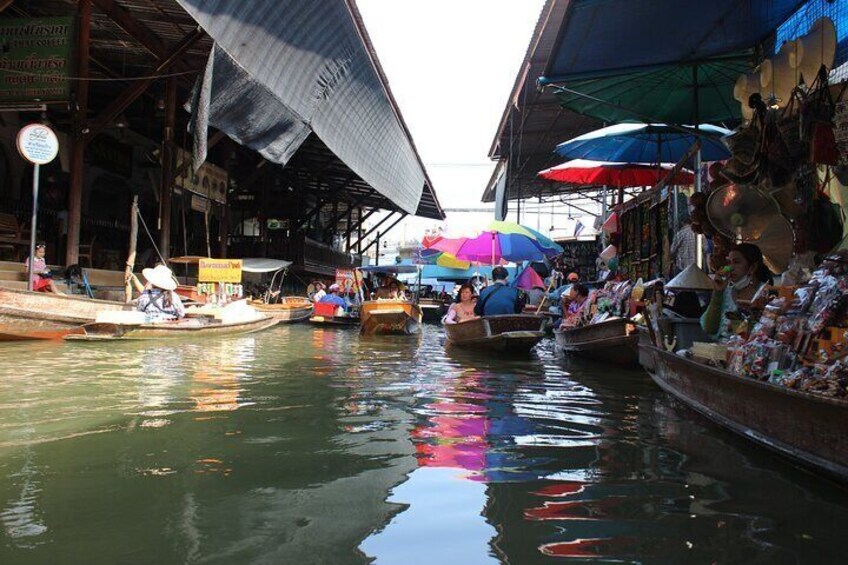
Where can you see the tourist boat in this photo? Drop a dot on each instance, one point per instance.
(389, 315)
(27, 315)
(612, 341)
(509, 333)
(324, 314)
(288, 310)
(432, 310)
(189, 327)
(386, 316)
(808, 428)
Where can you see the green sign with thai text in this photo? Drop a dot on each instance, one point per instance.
(36, 60)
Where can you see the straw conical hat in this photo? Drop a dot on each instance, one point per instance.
(161, 277)
(691, 278)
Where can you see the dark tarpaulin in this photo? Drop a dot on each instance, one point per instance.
(608, 37)
(284, 68)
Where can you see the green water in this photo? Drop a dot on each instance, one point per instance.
(299, 445)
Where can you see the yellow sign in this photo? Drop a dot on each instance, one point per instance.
(219, 270)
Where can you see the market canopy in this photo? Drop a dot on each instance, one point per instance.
(261, 265)
(651, 57)
(282, 70)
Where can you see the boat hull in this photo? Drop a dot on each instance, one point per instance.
(335, 321)
(808, 428)
(26, 315)
(290, 309)
(517, 333)
(389, 317)
(185, 328)
(610, 341)
(432, 311)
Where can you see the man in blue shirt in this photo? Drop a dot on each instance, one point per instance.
(500, 298)
(334, 298)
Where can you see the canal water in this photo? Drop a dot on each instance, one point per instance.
(302, 445)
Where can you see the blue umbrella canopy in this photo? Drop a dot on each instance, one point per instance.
(645, 143)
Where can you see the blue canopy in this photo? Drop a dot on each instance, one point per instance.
(609, 37)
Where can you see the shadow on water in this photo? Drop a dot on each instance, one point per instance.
(311, 445)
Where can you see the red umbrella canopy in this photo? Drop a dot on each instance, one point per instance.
(621, 175)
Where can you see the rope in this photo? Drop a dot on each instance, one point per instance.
(152, 242)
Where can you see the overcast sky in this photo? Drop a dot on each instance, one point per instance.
(451, 65)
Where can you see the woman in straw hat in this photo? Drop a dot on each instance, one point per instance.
(157, 296)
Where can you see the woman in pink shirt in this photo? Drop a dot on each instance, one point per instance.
(42, 280)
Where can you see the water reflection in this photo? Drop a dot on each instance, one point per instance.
(305, 445)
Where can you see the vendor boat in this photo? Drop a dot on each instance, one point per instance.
(509, 333)
(432, 310)
(389, 317)
(288, 310)
(189, 327)
(612, 341)
(27, 315)
(806, 427)
(326, 314)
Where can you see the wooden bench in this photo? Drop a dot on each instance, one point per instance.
(12, 235)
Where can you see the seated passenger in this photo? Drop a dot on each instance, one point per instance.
(463, 308)
(573, 304)
(158, 298)
(498, 298)
(42, 278)
(334, 298)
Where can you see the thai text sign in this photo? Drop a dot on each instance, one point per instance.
(346, 280)
(210, 181)
(37, 144)
(219, 270)
(35, 61)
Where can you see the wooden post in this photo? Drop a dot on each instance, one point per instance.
(167, 168)
(223, 231)
(128, 270)
(78, 141)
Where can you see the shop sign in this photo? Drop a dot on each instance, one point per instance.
(210, 181)
(346, 280)
(37, 144)
(219, 270)
(35, 63)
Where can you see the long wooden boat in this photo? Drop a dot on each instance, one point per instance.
(184, 328)
(389, 317)
(432, 310)
(808, 428)
(509, 333)
(289, 310)
(612, 341)
(26, 315)
(325, 314)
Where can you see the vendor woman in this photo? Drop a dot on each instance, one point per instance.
(743, 277)
(158, 297)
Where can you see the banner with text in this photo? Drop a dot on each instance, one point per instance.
(36, 60)
(219, 270)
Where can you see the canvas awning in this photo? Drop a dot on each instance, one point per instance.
(662, 60)
(264, 265)
(282, 70)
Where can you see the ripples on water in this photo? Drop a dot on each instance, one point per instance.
(303, 445)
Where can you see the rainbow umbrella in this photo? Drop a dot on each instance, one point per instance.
(442, 259)
(502, 241)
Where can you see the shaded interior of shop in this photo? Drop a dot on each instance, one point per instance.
(124, 134)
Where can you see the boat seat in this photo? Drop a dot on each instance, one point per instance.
(324, 309)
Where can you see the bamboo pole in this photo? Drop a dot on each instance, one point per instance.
(128, 270)
(545, 298)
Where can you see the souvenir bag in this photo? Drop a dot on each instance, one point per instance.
(776, 163)
(840, 122)
(817, 122)
(826, 220)
(789, 126)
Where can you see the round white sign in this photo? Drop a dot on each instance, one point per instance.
(37, 144)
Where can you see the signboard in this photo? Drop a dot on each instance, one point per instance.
(35, 61)
(37, 144)
(210, 181)
(219, 270)
(346, 281)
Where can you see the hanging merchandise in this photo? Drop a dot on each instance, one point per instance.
(826, 219)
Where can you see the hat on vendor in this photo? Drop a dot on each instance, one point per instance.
(160, 277)
(573, 277)
(691, 278)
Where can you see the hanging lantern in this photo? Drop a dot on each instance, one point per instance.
(779, 75)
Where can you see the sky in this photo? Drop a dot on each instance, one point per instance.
(451, 65)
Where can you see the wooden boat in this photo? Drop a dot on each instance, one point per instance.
(184, 328)
(612, 341)
(510, 333)
(808, 428)
(323, 314)
(432, 310)
(288, 310)
(386, 316)
(26, 315)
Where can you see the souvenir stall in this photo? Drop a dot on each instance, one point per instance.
(644, 240)
(776, 370)
(578, 256)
